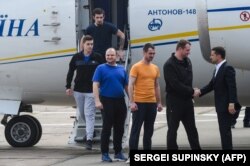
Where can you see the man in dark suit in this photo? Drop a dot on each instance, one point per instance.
(225, 94)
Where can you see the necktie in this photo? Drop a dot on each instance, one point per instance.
(214, 76)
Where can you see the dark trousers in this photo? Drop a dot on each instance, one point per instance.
(184, 113)
(146, 114)
(224, 120)
(114, 115)
(247, 116)
(246, 119)
(235, 117)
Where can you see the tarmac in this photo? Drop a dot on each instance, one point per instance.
(53, 148)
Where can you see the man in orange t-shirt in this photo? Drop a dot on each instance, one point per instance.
(145, 100)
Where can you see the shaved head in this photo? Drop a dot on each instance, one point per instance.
(111, 51)
(111, 56)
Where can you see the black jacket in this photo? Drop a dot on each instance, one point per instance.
(178, 76)
(84, 71)
(224, 86)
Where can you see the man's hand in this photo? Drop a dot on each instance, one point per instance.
(121, 54)
(231, 108)
(197, 92)
(98, 105)
(133, 106)
(69, 92)
(159, 107)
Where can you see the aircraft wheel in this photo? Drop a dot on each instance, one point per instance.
(21, 131)
(39, 129)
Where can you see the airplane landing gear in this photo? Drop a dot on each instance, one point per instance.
(23, 131)
(4, 121)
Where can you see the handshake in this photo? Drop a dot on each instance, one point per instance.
(197, 92)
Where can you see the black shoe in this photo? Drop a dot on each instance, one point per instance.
(89, 144)
(246, 124)
(233, 124)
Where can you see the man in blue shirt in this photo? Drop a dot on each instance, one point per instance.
(102, 32)
(112, 80)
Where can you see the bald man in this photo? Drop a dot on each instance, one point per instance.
(109, 82)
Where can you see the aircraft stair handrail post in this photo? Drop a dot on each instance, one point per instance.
(128, 52)
(127, 122)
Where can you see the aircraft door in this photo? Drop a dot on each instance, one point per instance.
(83, 17)
(58, 24)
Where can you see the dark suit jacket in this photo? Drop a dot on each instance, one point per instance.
(224, 86)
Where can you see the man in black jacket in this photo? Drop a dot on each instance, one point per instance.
(179, 78)
(85, 63)
(225, 94)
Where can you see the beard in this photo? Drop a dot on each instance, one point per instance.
(99, 24)
(149, 59)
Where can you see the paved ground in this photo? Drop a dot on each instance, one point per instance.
(53, 148)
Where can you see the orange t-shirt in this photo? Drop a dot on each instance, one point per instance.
(144, 87)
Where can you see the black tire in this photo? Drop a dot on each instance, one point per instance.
(39, 129)
(21, 131)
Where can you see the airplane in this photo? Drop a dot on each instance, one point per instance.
(38, 39)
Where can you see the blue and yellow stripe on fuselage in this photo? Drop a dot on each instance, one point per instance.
(38, 56)
(192, 35)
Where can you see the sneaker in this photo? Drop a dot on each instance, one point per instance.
(89, 144)
(128, 161)
(106, 158)
(120, 157)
